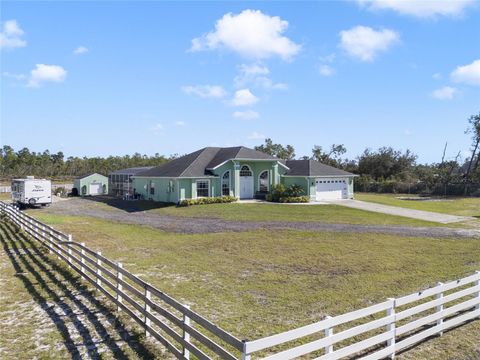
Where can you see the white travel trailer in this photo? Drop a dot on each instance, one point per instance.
(31, 191)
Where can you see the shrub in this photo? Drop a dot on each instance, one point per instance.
(292, 194)
(294, 199)
(208, 200)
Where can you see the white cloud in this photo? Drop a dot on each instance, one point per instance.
(419, 8)
(256, 136)
(365, 43)
(246, 115)
(80, 50)
(326, 70)
(180, 123)
(14, 76)
(251, 34)
(205, 91)
(445, 93)
(11, 36)
(437, 76)
(256, 75)
(157, 128)
(467, 74)
(244, 97)
(45, 73)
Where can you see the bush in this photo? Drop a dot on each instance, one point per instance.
(294, 199)
(208, 200)
(282, 194)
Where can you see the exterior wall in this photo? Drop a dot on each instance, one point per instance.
(86, 181)
(302, 181)
(164, 189)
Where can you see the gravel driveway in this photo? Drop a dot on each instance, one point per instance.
(83, 207)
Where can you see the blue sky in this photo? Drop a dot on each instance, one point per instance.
(101, 78)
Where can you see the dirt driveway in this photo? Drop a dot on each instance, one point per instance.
(84, 207)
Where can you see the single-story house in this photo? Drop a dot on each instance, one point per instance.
(91, 185)
(241, 172)
(120, 182)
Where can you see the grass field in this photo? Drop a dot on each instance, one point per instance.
(454, 205)
(332, 214)
(258, 283)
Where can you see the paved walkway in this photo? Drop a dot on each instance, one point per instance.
(398, 211)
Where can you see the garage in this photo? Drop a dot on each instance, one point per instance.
(331, 189)
(90, 185)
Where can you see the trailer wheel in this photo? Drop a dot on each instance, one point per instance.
(31, 201)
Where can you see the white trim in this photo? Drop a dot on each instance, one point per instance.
(176, 177)
(285, 166)
(268, 180)
(323, 176)
(196, 189)
(249, 168)
(229, 182)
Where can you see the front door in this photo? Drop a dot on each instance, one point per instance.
(246, 183)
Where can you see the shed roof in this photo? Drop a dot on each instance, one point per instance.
(87, 175)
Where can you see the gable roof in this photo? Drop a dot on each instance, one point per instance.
(198, 163)
(87, 175)
(313, 168)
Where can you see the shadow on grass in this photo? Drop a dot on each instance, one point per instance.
(129, 205)
(50, 285)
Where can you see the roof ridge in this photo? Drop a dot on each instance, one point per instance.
(196, 158)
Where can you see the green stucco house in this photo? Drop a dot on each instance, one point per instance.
(241, 172)
(91, 185)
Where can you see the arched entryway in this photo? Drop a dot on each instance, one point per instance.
(246, 182)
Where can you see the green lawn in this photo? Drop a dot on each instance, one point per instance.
(332, 214)
(262, 282)
(454, 205)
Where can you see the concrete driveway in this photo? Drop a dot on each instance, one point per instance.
(398, 211)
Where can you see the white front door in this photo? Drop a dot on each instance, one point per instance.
(331, 189)
(246, 187)
(95, 189)
(246, 182)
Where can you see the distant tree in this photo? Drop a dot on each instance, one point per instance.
(282, 152)
(386, 163)
(474, 129)
(332, 157)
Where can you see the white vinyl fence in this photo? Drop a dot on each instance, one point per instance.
(375, 332)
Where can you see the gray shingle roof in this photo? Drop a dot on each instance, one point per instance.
(196, 164)
(313, 168)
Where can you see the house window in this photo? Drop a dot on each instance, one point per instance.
(226, 183)
(245, 171)
(152, 188)
(263, 181)
(203, 188)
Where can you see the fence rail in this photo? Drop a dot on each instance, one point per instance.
(374, 332)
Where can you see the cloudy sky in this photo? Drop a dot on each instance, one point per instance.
(100, 78)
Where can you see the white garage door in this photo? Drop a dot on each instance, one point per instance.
(95, 189)
(331, 189)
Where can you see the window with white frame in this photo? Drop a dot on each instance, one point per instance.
(203, 188)
(226, 183)
(245, 171)
(263, 181)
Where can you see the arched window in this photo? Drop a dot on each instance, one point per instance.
(245, 171)
(226, 183)
(263, 181)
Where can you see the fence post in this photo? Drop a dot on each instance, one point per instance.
(245, 355)
(391, 327)
(69, 251)
(50, 246)
(477, 283)
(119, 285)
(99, 272)
(148, 296)
(328, 333)
(82, 258)
(186, 335)
(440, 308)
